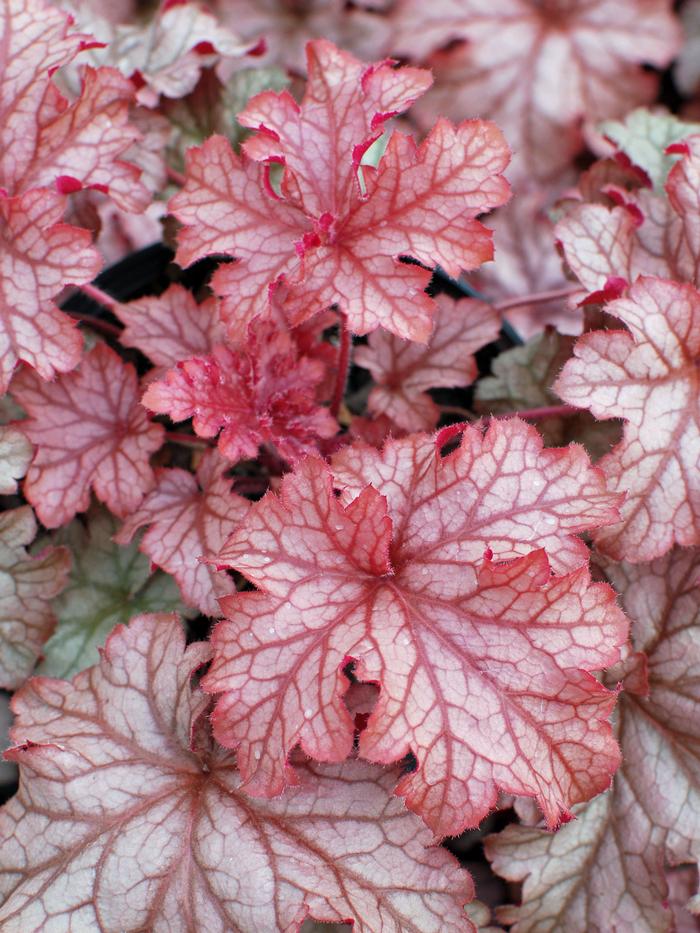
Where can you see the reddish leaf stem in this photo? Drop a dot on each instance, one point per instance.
(102, 298)
(177, 178)
(343, 366)
(104, 327)
(537, 298)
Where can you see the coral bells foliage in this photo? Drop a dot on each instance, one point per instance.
(393, 576)
(307, 559)
(334, 232)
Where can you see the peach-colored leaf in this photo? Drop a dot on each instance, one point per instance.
(539, 69)
(226, 211)
(333, 237)
(343, 110)
(38, 256)
(189, 518)
(648, 375)
(650, 232)
(263, 393)
(403, 372)
(422, 201)
(607, 865)
(27, 586)
(171, 327)
(90, 432)
(392, 576)
(15, 454)
(44, 138)
(148, 821)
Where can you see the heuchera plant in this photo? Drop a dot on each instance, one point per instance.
(329, 567)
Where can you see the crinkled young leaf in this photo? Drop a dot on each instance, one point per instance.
(647, 375)
(608, 863)
(148, 823)
(325, 241)
(27, 586)
(190, 518)
(38, 256)
(262, 393)
(108, 585)
(538, 69)
(15, 454)
(171, 327)
(90, 432)
(403, 372)
(392, 576)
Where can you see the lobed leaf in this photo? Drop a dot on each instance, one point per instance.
(90, 432)
(647, 375)
(38, 256)
(45, 140)
(108, 584)
(482, 666)
(403, 372)
(148, 821)
(265, 392)
(172, 326)
(27, 586)
(189, 517)
(539, 69)
(608, 863)
(331, 238)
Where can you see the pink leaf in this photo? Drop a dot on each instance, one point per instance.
(166, 853)
(226, 211)
(392, 576)
(325, 241)
(44, 139)
(647, 375)
(38, 256)
(608, 863)
(189, 518)
(263, 393)
(403, 372)
(28, 586)
(171, 327)
(539, 69)
(654, 232)
(343, 110)
(90, 432)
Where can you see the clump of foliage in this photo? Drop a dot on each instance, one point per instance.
(369, 516)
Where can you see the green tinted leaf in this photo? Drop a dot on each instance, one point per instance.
(107, 586)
